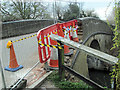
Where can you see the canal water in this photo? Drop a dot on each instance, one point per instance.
(101, 77)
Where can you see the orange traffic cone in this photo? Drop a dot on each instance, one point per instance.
(54, 55)
(67, 51)
(74, 35)
(13, 65)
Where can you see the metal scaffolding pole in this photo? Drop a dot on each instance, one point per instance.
(2, 74)
(54, 12)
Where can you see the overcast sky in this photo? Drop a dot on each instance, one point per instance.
(99, 6)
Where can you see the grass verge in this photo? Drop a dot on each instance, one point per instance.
(62, 84)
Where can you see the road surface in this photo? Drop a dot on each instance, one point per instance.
(26, 53)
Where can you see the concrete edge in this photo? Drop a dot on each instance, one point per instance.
(40, 81)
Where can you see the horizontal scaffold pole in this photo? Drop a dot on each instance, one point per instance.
(93, 52)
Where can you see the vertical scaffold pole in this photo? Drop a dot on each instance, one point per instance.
(2, 74)
(61, 60)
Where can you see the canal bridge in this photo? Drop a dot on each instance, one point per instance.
(92, 32)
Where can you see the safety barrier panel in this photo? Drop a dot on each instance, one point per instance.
(44, 40)
(43, 37)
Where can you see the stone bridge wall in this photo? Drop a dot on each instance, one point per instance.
(91, 26)
(103, 37)
(15, 28)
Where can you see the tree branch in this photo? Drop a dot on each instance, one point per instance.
(34, 12)
(5, 12)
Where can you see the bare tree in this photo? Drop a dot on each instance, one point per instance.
(22, 10)
(59, 10)
(72, 12)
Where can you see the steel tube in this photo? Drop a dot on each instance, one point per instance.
(25, 75)
(2, 74)
(78, 51)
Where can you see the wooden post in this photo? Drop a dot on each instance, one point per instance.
(61, 60)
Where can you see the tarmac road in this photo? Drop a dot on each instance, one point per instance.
(26, 53)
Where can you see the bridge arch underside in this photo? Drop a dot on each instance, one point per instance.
(95, 44)
(102, 43)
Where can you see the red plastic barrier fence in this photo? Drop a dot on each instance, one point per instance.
(43, 36)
